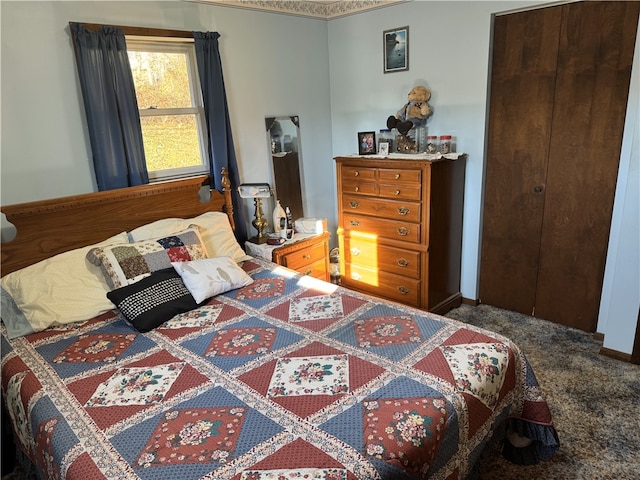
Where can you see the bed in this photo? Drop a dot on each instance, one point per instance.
(224, 366)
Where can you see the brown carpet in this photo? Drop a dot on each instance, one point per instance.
(594, 400)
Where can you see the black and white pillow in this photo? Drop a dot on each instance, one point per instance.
(153, 300)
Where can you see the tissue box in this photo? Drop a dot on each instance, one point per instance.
(310, 225)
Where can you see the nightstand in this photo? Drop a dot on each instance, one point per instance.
(305, 253)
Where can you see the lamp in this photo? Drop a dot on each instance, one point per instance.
(257, 191)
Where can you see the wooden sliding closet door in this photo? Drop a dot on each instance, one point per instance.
(559, 87)
(525, 51)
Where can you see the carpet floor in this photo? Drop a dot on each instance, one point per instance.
(594, 400)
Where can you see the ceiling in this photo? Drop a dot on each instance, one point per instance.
(325, 9)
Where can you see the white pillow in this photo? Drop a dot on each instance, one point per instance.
(62, 289)
(215, 230)
(211, 276)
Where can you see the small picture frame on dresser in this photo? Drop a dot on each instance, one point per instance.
(366, 143)
(383, 149)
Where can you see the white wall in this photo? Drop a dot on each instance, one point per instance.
(621, 288)
(449, 52)
(273, 65)
(449, 46)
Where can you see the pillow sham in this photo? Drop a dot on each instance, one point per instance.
(209, 277)
(153, 300)
(215, 230)
(63, 289)
(127, 263)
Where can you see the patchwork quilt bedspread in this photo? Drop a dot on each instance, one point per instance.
(285, 378)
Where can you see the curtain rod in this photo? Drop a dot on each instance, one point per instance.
(140, 31)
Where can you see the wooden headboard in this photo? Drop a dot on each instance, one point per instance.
(48, 227)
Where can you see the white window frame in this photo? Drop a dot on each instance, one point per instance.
(184, 46)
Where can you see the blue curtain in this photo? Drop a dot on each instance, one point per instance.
(220, 142)
(111, 107)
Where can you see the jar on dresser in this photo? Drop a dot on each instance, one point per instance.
(400, 228)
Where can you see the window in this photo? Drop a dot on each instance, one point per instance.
(171, 108)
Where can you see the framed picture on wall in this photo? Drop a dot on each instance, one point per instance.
(395, 49)
(366, 143)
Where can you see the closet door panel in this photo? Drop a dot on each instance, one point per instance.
(593, 74)
(520, 114)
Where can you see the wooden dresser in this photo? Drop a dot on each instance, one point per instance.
(400, 228)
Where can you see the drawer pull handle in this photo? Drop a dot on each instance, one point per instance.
(403, 290)
(356, 173)
(397, 176)
(355, 251)
(403, 211)
(402, 262)
(354, 223)
(354, 204)
(356, 276)
(306, 257)
(402, 231)
(397, 192)
(308, 272)
(356, 189)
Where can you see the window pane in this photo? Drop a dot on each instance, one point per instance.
(170, 141)
(161, 79)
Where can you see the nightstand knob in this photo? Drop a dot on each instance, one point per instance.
(397, 176)
(403, 211)
(402, 262)
(355, 251)
(356, 189)
(354, 223)
(306, 257)
(402, 231)
(354, 204)
(403, 290)
(397, 192)
(308, 272)
(356, 173)
(356, 276)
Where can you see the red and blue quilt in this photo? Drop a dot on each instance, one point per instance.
(286, 378)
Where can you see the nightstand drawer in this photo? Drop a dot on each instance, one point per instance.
(317, 270)
(304, 257)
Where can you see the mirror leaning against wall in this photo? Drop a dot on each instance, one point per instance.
(283, 136)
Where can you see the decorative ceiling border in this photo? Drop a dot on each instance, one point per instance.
(305, 8)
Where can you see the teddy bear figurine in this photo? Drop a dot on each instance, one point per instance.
(414, 113)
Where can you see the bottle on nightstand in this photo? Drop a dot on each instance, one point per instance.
(278, 213)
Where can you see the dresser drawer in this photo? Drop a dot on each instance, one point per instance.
(395, 230)
(361, 173)
(360, 187)
(300, 259)
(391, 209)
(399, 175)
(400, 190)
(388, 285)
(369, 254)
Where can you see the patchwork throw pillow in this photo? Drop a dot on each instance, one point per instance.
(127, 263)
(209, 277)
(153, 300)
(217, 236)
